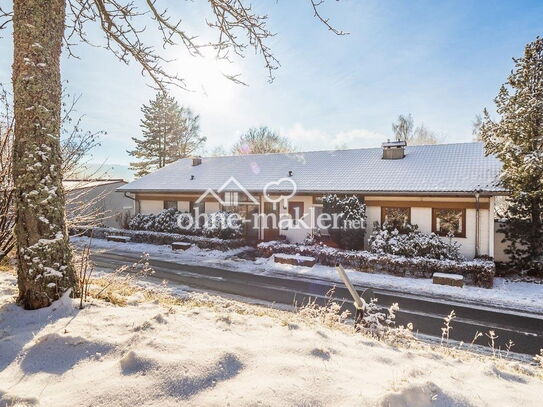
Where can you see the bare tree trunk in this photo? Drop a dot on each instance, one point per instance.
(45, 270)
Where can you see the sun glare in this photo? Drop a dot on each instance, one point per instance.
(207, 77)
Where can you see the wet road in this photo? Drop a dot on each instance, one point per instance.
(426, 314)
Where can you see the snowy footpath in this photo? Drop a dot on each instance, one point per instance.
(519, 296)
(206, 351)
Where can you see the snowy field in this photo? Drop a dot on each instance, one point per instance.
(215, 352)
(506, 294)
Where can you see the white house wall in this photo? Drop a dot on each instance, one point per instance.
(420, 216)
(150, 207)
(100, 199)
(298, 234)
(183, 206)
(423, 218)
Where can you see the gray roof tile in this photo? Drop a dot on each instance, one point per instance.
(461, 167)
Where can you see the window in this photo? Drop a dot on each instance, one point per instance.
(296, 211)
(322, 226)
(231, 199)
(317, 199)
(395, 216)
(445, 221)
(170, 204)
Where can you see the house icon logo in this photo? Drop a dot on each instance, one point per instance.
(218, 195)
(285, 184)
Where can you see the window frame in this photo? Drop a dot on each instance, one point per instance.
(291, 206)
(228, 202)
(461, 234)
(395, 207)
(176, 207)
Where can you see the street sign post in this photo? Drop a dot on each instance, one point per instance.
(359, 303)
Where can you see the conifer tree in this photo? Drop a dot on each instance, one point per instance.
(170, 132)
(517, 140)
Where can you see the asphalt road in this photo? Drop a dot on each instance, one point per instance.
(426, 314)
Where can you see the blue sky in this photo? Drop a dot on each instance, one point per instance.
(442, 61)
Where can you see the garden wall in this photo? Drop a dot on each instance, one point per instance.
(476, 272)
(161, 238)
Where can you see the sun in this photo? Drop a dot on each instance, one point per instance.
(207, 77)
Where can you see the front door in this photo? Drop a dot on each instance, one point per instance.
(271, 224)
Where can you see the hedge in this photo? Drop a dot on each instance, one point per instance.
(162, 238)
(477, 272)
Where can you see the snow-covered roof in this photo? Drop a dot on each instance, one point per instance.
(75, 184)
(441, 168)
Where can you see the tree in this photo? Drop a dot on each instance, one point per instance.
(76, 146)
(403, 127)
(422, 136)
(45, 270)
(170, 132)
(7, 192)
(348, 228)
(261, 140)
(404, 130)
(517, 140)
(476, 127)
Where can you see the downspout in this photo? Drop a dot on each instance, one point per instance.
(477, 210)
(136, 208)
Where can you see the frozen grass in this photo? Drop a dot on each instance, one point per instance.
(153, 348)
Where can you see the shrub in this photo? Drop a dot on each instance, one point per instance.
(476, 272)
(349, 228)
(161, 238)
(387, 239)
(223, 225)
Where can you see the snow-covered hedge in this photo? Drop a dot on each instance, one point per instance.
(412, 243)
(223, 225)
(162, 238)
(477, 272)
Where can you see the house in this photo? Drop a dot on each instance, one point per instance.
(96, 201)
(441, 188)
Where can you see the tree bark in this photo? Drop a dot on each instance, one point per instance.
(45, 270)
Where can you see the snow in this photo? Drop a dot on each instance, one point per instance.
(215, 352)
(510, 295)
(457, 277)
(295, 256)
(118, 237)
(441, 167)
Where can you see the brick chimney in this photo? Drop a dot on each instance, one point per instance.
(394, 150)
(196, 161)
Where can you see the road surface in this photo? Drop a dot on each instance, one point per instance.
(426, 314)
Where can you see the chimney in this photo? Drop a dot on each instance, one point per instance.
(196, 161)
(394, 150)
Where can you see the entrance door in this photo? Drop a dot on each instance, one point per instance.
(271, 226)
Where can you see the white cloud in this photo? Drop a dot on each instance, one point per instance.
(317, 139)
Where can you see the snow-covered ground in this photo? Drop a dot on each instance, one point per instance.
(216, 352)
(505, 294)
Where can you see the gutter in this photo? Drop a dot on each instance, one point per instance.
(314, 192)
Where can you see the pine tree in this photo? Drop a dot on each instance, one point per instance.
(517, 140)
(170, 132)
